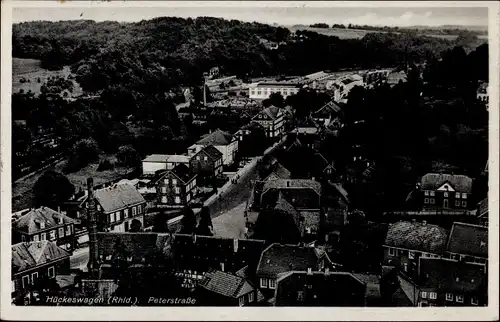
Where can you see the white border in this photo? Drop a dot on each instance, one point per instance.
(7, 311)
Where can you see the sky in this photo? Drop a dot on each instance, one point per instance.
(281, 13)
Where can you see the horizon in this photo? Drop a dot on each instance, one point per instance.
(284, 15)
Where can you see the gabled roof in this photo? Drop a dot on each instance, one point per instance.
(293, 184)
(278, 258)
(271, 111)
(280, 172)
(450, 276)
(30, 222)
(117, 197)
(417, 236)
(226, 284)
(217, 137)
(156, 158)
(182, 172)
(468, 239)
(327, 110)
(432, 181)
(285, 207)
(29, 255)
(211, 152)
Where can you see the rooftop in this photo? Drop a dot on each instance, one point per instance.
(417, 236)
(29, 255)
(156, 158)
(468, 239)
(226, 284)
(433, 181)
(217, 137)
(293, 184)
(212, 152)
(183, 172)
(118, 196)
(31, 221)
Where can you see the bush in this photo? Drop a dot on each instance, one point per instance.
(105, 164)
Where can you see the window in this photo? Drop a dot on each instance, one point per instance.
(392, 252)
(34, 277)
(164, 199)
(118, 216)
(166, 181)
(198, 157)
(457, 195)
(460, 298)
(272, 283)
(205, 158)
(424, 295)
(68, 230)
(36, 238)
(426, 200)
(177, 190)
(125, 225)
(405, 267)
(300, 295)
(411, 255)
(61, 232)
(433, 201)
(188, 197)
(449, 297)
(464, 196)
(42, 225)
(174, 182)
(473, 301)
(432, 193)
(134, 211)
(464, 203)
(52, 271)
(125, 213)
(43, 236)
(433, 295)
(446, 194)
(250, 297)
(426, 192)
(164, 189)
(26, 281)
(112, 217)
(139, 209)
(177, 200)
(457, 203)
(242, 300)
(52, 235)
(263, 283)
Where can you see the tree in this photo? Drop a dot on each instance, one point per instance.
(188, 221)
(277, 99)
(52, 188)
(127, 155)
(135, 226)
(205, 226)
(86, 151)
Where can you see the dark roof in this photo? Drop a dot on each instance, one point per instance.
(327, 110)
(417, 236)
(118, 196)
(432, 181)
(183, 172)
(406, 295)
(278, 258)
(30, 222)
(225, 284)
(482, 207)
(280, 172)
(271, 111)
(311, 219)
(468, 239)
(217, 137)
(212, 152)
(285, 207)
(29, 255)
(293, 184)
(450, 276)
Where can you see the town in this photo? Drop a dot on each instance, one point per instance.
(346, 187)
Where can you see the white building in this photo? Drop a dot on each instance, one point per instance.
(343, 85)
(272, 120)
(264, 90)
(226, 143)
(155, 162)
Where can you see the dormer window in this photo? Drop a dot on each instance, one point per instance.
(42, 225)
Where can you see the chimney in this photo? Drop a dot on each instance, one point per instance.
(313, 179)
(413, 220)
(59, 209)
(309, 271)
(93, 263)
(235, 245)
(424, 222)
(327, 271)
(222, 266)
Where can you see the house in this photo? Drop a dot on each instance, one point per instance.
(443, 282)
(374, 77)
(155, 162)
(302, 193)
(207, 163)
(343, 85)
(277, 259)
(302, 288)
(264, 89)
(226, 143)
(226, 289)
(176, 187)
(43, 223)
(278, 172)
(326, 113)
(468, 243)
(252, 140)
(118, 206)
(33, 261)
(406, 242)
(482, 212)
(445, 191)
(396, 77)
(272, 119)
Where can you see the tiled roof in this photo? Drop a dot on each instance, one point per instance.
(450, 276)
(156, 158)
(244, 272)
(29, 255)
(217, 137)
(292, 184)
(417, 236)
(407, 292)
(225, 284)
(213, 152)
(183, 172)
(30, 222)
(483, 207)
(178, 158)
(327, 110)
(271, 111)
(118, 197)
(285, 207)
(432, 181)
(468, 239)
(311, 219)
(279, 258)
(281, 172)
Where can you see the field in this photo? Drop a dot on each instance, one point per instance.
(22, 195)
(30, 70)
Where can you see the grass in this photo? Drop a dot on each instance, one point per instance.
(22, 195)
(30, 69)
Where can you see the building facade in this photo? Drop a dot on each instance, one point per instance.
(445, 191)
(272, 120)
(176, 187)
(264, 90)
(226, 143)
(207, 162)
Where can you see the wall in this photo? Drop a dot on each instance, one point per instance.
(152, 167)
